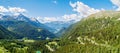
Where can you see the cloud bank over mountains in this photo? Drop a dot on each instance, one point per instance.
(81, 9)
(2, 9)
(12, 10)
(65, 18)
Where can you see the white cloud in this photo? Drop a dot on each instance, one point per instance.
(47, 19)
(73, 5)
(79, 7)
(16, 10)
(116, 3)
(64, 18)
(50, 19)
(82, 9)
(3, 9)
(68, 18)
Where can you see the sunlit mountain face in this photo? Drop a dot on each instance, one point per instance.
(59, 26)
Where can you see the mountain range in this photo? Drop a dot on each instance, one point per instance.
(97, 33)
(25, 26)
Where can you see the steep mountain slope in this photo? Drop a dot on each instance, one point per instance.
(99, 33)
(5, 34)
(25, 27)
(95, 23)
(26, 30)
(61, 31)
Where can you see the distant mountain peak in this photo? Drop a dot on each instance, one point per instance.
(21, 15)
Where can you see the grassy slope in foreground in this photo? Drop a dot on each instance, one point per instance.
(99, 33)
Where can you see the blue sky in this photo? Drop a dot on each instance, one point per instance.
(53, 8)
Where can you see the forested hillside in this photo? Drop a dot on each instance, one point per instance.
(98, 33)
